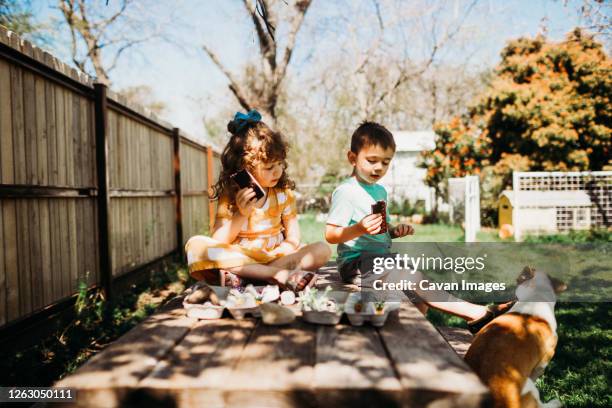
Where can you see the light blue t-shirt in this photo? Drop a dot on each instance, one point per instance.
(351, 202)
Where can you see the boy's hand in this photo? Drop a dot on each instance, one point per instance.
(245, 202)
(401, 230)
(370, 224)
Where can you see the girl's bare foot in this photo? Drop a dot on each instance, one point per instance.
(300, 280)
(281, 277)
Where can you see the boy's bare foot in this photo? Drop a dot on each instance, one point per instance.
(491, 313)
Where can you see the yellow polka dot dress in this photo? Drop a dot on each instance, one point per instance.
(260, 234)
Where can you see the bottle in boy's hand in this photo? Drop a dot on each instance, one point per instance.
(381, 208)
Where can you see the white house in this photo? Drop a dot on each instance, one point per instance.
(405, 180)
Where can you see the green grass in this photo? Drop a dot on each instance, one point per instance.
(580, 371)
(313, 231)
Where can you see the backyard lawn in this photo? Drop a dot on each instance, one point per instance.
(313, 230)
(579, 374)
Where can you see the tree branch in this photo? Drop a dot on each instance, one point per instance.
(233, 86)
(404, 75)
(115, 16)
(121, 50)
(266, 44)
(296, 23)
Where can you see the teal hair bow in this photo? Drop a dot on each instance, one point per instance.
(243, 120)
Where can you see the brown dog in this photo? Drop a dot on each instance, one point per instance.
(510, 352)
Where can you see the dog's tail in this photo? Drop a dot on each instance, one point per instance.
(506, 391)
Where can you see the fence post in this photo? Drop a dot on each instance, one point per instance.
(104, 250)
(178, 193)
(516, 207)
(209, 185)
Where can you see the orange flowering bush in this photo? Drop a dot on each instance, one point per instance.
(547, 108)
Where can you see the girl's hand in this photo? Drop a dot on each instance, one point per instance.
(283, 249)
(245, 201)
(402, 230)
(370, 224)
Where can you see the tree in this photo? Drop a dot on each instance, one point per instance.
(100, 33)
(262, 84)
(145, 96)
(17, 17)
(547, 108)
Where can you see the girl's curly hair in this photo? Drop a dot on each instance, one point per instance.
(255, 143)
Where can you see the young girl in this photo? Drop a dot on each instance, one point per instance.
(255, 239)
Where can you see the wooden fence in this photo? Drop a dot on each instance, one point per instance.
(91, 188)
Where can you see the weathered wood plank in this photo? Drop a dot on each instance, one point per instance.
(276, 358)
(154, 157)
(3, 269)
(81, 254)
(114, 236)
(138, 225)
(56, 250)
(429, 370)
(459, 339)
(352, 368)
(77, 140)
(90, 234)
(119, 243)
(23, 252)
(36, 281)
(69, 139)
(60, 120)
(121, 239)
(41, 132)
(204, 357)
(132, 168)
(29, 105)
(72, 241)
(112, 152)
(190, 374)
(7, 163)
(88, 159)
(122, 153)
(352, 357)
(107, 377)
(45, 252)
(96, 249)
(11, 258)
(19, 143)
(65, 247)
(51, 133)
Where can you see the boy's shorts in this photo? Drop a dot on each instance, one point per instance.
(360, 271)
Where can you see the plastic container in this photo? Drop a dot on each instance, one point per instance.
(209, 311)
(204, 311)
(240, 313)
(367, 312)
(327, 318)
(356, 319)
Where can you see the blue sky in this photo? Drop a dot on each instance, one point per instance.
(191, 86)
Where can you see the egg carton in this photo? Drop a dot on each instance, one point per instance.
(369, 312)
(210, 311)
(325, 317)
(346, 305)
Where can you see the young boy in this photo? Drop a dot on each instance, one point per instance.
(350, 223)
(352, 226)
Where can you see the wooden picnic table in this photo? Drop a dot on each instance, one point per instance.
(173, 360)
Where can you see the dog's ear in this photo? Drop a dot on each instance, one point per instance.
(558, 285)
(527, 273)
